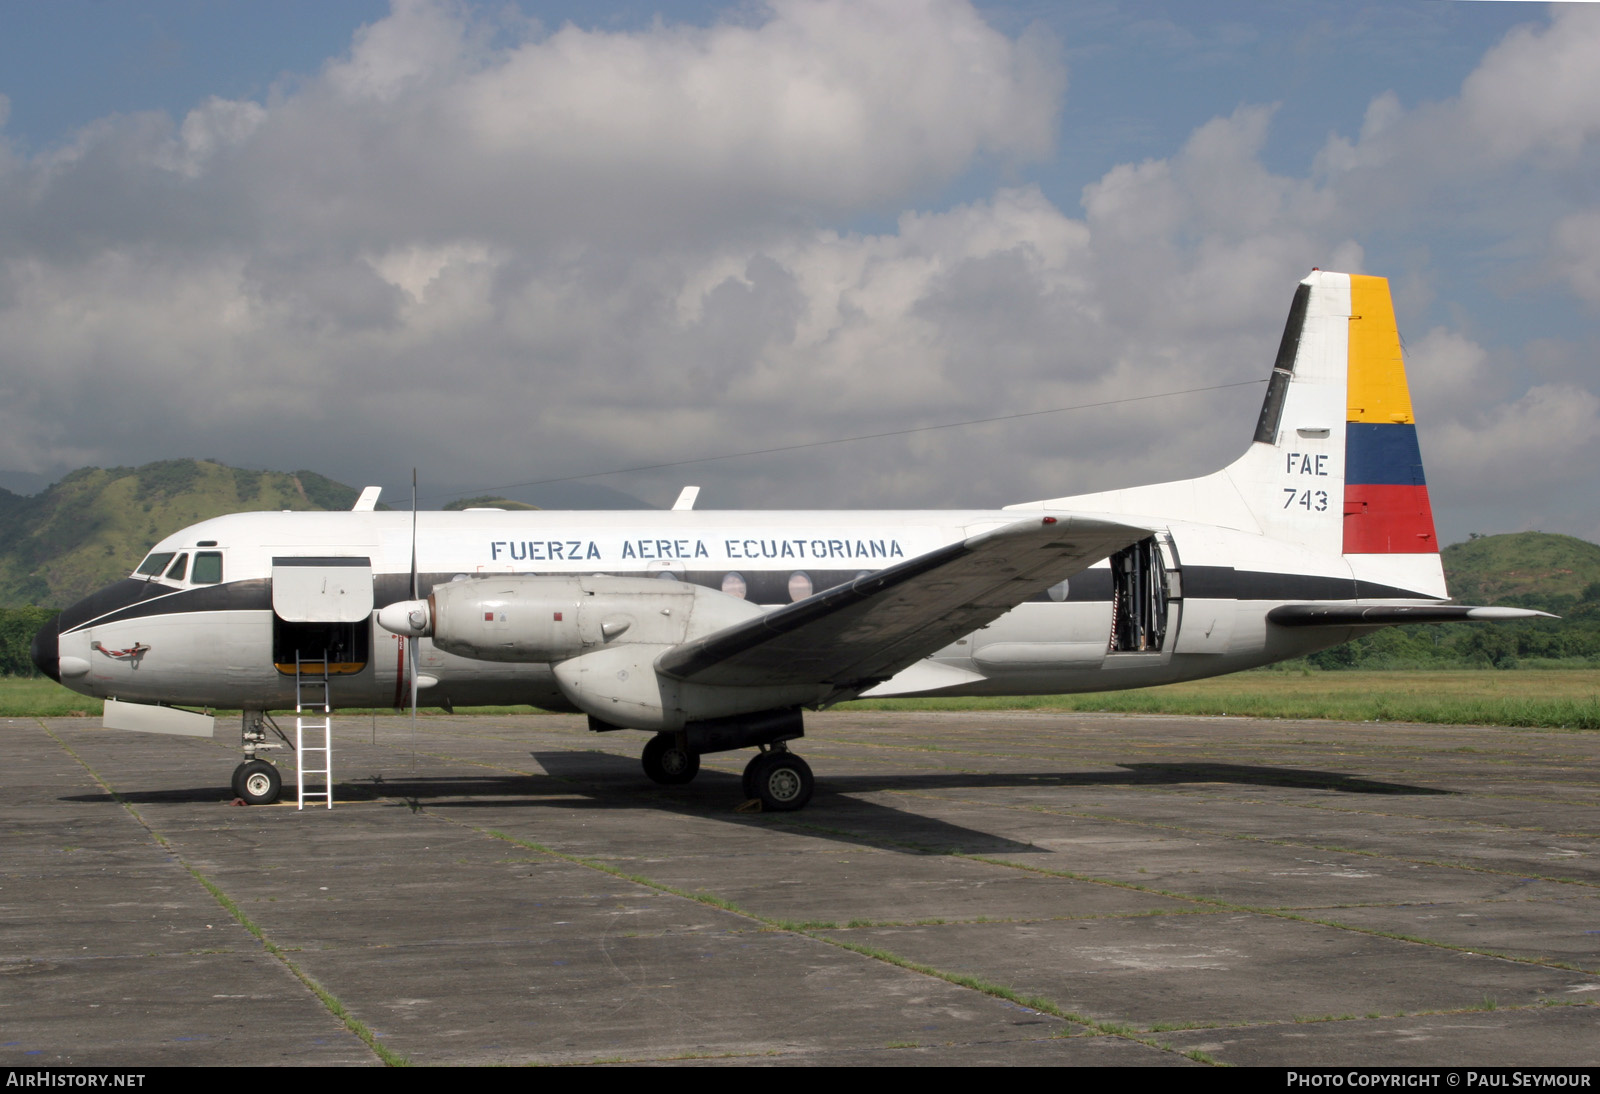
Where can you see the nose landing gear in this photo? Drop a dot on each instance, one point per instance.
(257, 782)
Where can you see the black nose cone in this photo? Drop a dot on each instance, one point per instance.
(46, 650)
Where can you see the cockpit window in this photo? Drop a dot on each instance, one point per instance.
(207, 568)
(153, 565)
(178, 568)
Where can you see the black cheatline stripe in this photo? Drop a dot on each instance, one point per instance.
(251, 595)
(1092, 586)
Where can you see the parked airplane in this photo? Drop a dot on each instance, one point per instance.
(1320, 531)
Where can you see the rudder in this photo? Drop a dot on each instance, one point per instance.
(1386, 507)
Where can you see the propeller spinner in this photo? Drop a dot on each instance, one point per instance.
(411, 618)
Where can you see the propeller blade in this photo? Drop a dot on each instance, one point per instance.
(411, 643)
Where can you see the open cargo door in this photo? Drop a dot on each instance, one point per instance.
(322, 607)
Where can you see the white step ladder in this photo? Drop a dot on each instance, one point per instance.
(313, 714)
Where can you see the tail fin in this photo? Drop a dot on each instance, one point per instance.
(1334, 466)
(1338, 406)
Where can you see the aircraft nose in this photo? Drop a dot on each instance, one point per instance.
(45, 649)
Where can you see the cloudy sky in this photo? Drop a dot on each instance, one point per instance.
(519, 242)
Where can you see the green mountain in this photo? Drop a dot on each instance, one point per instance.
(95, 525)
(486, 501)
(1552, 573)
(1527, 569)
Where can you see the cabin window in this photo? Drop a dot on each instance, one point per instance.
(178, 568)
(152, 566)
(799, 585)
(207, 568)
(733, 584)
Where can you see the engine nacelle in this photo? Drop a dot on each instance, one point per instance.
(553, 619)
(620, 686)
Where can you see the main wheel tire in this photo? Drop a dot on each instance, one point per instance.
(782, 780)
(668, 764)
(258, 782)
(238, 779)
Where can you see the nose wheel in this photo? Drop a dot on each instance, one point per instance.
(782, 780)
(257, 782)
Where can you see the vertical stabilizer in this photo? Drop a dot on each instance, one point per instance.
(1334, 466)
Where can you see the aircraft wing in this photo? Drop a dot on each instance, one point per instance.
(857, 634)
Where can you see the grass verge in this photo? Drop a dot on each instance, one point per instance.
(1532, 698)
(1535, 698)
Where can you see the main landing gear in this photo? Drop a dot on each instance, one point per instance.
(779, 779)
(668, 761)
(782, 780)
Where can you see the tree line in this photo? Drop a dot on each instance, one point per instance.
(17, 628)
(1575, 637)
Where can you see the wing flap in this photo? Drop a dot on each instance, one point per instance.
(861, 633)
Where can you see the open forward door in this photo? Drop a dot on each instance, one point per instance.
(321, 608)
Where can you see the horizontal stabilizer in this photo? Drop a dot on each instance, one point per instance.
(864, 632)
(1381, 615)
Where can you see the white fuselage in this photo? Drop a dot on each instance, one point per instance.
(221, 644)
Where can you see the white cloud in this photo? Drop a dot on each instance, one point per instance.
(671, 133)
(1575, 254)
(216, 124)
(1448, 374)
(1524, 446)
(514, 254)
(839, 102)
(423, 43)
(1536, 93)
(1539, 89)
(1503, 157)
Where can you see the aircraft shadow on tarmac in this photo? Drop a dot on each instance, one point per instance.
(603, 780)
(591, 766)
